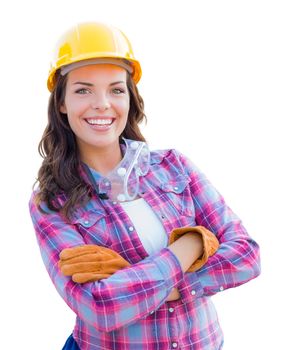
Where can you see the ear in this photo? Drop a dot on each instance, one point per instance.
(63, 109)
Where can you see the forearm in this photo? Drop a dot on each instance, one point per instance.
(187, 249)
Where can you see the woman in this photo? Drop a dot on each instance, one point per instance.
(135, 241)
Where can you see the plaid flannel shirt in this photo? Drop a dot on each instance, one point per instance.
(129, 310)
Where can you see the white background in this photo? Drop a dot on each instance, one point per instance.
(213, 85)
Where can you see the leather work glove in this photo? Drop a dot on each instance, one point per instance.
(90, 263)
(210, 243)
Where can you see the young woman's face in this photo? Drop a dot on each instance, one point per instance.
(97, 104)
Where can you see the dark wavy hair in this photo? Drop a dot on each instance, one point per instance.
(59, 175)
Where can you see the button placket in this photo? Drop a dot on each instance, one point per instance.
(174, 329)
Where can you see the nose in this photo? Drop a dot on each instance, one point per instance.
(100, 102)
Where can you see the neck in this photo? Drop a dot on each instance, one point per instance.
(103, 160)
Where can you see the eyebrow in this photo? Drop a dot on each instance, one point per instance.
(90, 84)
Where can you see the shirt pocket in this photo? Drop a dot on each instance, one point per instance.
(177, 192)
(92, 227)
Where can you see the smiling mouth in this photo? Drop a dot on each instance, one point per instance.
(100, 121)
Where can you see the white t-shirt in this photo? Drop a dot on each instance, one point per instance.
(148, 227)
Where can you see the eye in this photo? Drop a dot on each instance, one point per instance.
(118, 91)
(82, 91)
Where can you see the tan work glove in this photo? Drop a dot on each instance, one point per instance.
(90, 263)
(210, 243)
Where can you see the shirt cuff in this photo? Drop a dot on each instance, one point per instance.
(190, 287)
(169, 267)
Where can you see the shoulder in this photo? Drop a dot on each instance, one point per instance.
(40, 212)
(158, 156)
(166, 163)
(173, 161)
(34, 203)
(172, 156)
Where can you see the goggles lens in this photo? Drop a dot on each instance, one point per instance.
(122, 183)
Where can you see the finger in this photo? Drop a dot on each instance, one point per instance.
(108, 251)
(111, 267)
(89, 257)
(119, 263)
(93, 259)
(97, 257)
(69, 253)
(92, 267)
(70, 269)
(89, 277)
(77, 251)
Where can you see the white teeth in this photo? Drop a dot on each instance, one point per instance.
(99, 121)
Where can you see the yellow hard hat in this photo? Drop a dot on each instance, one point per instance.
(87, 41)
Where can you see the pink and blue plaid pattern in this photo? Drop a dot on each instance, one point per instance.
(128, 310)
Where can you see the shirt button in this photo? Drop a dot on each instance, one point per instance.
(86, 222)
(114, 203)
(193, 292)
(221, 288)
(174, 345)
(163, 217)
(171, 309)
(176, 188)
(131, 228)
(121, 171)
(151, 313)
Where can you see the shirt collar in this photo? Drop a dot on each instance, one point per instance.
(92, 177)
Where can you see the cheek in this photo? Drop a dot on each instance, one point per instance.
(72, 124)
(73, 111)
(123, 107)
(74, 108)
